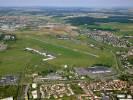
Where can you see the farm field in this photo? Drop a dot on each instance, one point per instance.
(124, 28)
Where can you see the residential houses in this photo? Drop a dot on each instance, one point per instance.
(109, 38)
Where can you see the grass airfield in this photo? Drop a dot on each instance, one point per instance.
(71, 52)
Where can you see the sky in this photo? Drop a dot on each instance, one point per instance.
(68, 3)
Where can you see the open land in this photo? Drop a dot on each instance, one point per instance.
(50, 54)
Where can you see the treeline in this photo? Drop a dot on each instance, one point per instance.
(98, 27)
(6, 37)
(93, 21)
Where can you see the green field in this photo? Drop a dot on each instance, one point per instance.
(8, 91)
(120, 29)
(76, 89)
(70, 52)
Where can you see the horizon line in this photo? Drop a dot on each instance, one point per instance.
(63, 7)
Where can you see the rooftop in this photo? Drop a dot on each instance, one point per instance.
(93, 70)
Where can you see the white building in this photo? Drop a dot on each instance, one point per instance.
(34, 85)
(34, 94)
(9, 98)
